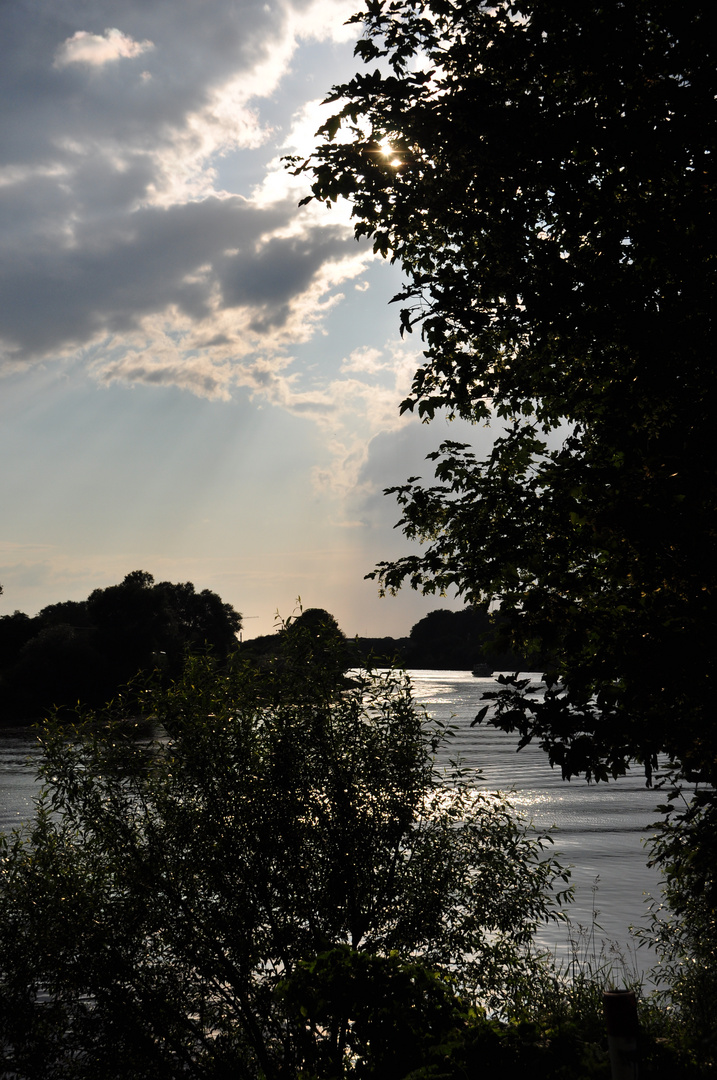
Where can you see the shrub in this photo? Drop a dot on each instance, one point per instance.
(171, 886)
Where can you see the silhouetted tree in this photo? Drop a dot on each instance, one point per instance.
(316, 637)
(72, 613)
(463, 639)
(84, 650)
(543, 174)
(15, 631)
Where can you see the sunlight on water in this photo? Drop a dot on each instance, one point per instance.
(19, 754)
(598, 828)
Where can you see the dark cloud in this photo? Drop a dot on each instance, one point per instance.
(393, 456)
(112, 115)
(196, 47)
(200, 378)
(313, 407)
(283, 267)
(57, 295)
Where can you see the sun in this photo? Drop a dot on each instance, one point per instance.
(388, 151)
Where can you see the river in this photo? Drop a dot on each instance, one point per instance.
(599, 828)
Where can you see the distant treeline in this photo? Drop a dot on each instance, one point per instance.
(83, 651)
(459, 640)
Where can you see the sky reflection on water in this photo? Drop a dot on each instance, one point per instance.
(598, 828)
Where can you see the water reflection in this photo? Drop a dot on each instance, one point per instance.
(598, 828)
(19, 756)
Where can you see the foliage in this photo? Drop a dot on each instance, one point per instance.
(407, 1023)
(543, 174)
(458, 639)
(684, 924)
(381, 1016)
(171, 888)
(84, 650)
(386, 1019)
(311, 625)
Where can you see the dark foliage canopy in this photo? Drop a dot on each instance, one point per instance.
(544, 174)
(85, 650)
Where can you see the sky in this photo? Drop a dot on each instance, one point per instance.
(198, 378)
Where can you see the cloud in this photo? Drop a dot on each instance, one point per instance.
(151, 231)
(393, 455)
(351, 412)
(168, 367)
(118, 239)
(325, 20)
(97, 50)
(367, 360)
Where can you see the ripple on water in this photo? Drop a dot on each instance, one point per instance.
(599, 827)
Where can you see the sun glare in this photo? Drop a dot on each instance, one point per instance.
(388, 151)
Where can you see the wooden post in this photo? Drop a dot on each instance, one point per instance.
(620, 1008)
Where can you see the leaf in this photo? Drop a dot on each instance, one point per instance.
(480, 716)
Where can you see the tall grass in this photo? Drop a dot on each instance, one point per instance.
(565, 1006)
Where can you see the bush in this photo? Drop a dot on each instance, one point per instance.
(684, 924)
(171, 887)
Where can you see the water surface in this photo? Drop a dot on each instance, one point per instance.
(599, 828)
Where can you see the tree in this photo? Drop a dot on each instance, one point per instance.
(684, 924)
(318, 638)
(15, 631)
(141, 623)
(543, 172)
(319, 629)
(85, 650)
(171, 891)
(458, 639)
